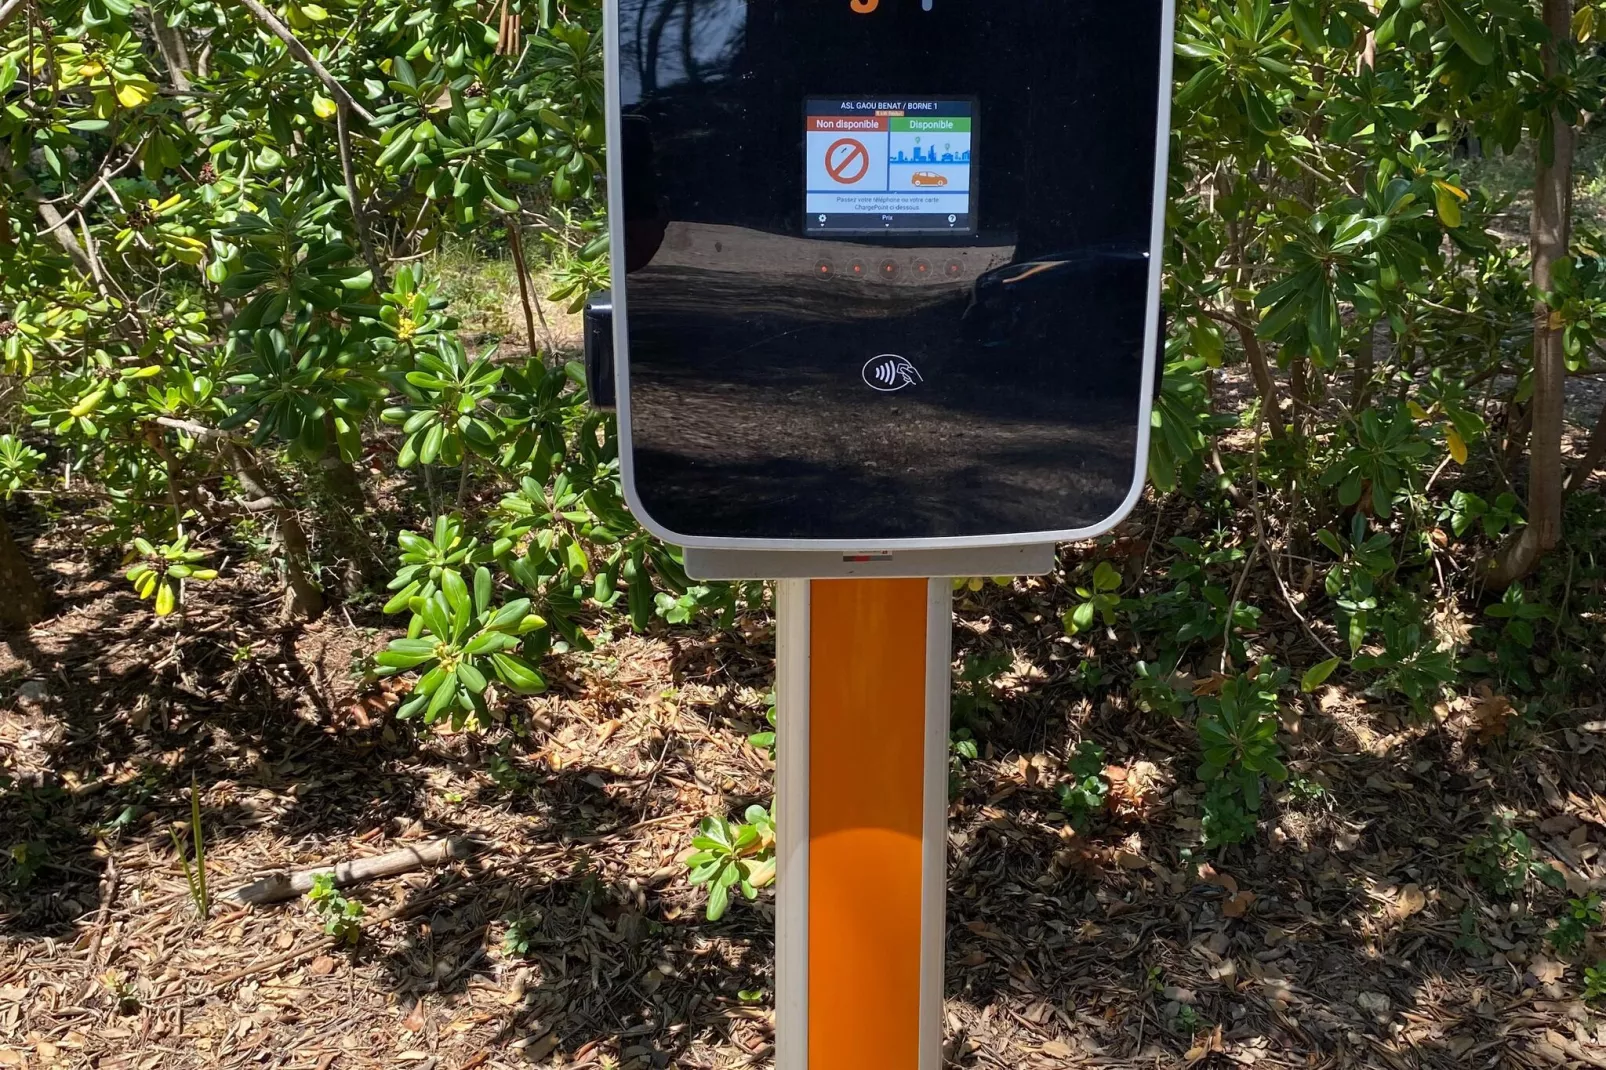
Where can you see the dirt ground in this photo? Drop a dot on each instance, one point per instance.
(1348, 936)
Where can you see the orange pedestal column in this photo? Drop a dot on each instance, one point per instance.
(861, 890)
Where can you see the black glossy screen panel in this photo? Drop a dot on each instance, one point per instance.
(790, 385)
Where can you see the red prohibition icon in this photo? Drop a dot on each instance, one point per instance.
(847, 161)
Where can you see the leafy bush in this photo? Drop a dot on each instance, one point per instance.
(459, 642)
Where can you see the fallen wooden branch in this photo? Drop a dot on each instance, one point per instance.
(108, 893)
(278, 887)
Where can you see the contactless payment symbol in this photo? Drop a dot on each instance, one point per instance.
(847, 161)
(890, 373)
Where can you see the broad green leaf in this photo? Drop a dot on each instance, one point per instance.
(1468, 35)
(1317, 675)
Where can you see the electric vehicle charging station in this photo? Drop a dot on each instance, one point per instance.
(885, 311)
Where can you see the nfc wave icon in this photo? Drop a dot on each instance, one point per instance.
(890, 373)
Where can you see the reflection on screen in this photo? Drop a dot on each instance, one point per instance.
(877, 166)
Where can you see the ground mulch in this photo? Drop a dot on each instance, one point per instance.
(1347, 935)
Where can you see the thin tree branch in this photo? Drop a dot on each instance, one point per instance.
(54, 220)
(1270, 398)
(1594, 453)
(102, 182)
(9, 8)
(516, 243)
(271, 21)
(170, 43)
(359, 218)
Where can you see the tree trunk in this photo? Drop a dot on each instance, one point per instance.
(339, 474)
(22, 600)
(1365, 366)
(1552, 219)
(1270, 397)
(302, 598)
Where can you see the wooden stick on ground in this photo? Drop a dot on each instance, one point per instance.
(108, 893)
(278, 887)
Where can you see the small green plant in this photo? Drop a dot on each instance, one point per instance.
(424, 561)
(1595, 983)
(342, 917)
(469, 642)
(733, 854)
(23, 861)
(1238, 738)
(1238, 733)
(18, 462)
(1224, 819)
(1470, 942)
(520, 937)
(1099, 600)
(1365, 563)
(503, 773)
(1501, 860)
(1512, 657)
(1411, 664)
(160, 571)
(683, 608)
(975, 697)
(123, 991)
(1575, 923)
(1088, 789)
(1381, 456)
(194, 876)
(1158, 689)
(1302, 788)
(1466, 509)
(765, 740)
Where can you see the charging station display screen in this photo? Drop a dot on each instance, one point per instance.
(889, 166)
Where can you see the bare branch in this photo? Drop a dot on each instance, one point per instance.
(277, 887)
(199, 432)
(170, 43)
(359, 218)
(271, 21)
(54, 220)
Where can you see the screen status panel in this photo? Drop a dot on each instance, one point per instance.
(889, 166)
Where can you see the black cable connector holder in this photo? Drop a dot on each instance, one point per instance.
(599, 353)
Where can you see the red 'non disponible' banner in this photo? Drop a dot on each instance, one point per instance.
(846, 124)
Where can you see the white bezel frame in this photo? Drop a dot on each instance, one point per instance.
(621, 338)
